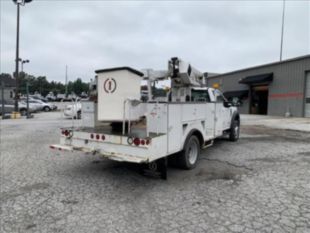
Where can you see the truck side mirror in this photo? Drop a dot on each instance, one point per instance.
(227, 104)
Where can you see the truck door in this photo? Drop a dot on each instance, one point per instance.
(200, 95)
(217, 118)
(210, 120)
(221, 113)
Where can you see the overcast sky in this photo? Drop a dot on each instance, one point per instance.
(215, 36)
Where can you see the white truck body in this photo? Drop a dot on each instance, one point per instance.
(150, 130)
(167, 127)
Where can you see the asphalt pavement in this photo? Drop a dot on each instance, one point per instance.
(258, 184)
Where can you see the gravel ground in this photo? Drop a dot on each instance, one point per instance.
(258, 184)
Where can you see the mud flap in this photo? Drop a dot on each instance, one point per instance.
(156, 169)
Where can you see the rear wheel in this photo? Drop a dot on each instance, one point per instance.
(188, 157)
(47, 109)
(23, 112)
(234, 131)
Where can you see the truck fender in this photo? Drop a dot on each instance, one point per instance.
(234, 117)
(198, 134)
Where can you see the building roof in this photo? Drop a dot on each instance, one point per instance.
(264, 65)
(260, 78)
(210, 74)
(120, 68)
(8, 81)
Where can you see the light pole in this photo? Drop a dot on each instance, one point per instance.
(282, 29)
(2, 99)
(23, 62)
(18, 4)
(66, 94)
(27, 85)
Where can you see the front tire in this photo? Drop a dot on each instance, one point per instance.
(188, 157)
(79, 115)
(234, 131)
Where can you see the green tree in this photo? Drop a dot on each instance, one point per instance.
(41, 85)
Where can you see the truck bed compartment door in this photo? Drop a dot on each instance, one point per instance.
(210, 120)
(218, 119)
(175, 127)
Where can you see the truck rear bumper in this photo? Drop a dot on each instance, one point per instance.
(110, 155)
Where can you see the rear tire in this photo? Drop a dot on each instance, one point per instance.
(188, 157)
(234, 131)
(23, 112)
(46, 109)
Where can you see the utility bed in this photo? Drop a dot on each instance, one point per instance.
(136, 147)
(164, 132)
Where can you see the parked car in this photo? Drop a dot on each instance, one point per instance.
(36, 97)
(51, 97)
(71, 98)
(37, 108)
(60, 97)
(73, 110)
(83, 95)
(9, 107)
(40, 105)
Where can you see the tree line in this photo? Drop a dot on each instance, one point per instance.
(41, 85)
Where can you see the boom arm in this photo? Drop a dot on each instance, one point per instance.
(184, 75)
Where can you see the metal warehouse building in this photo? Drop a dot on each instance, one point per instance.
(278, 89)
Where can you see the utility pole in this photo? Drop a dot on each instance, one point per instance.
(17, 60)
(18, 4)
(66, 81)
(2, 98)
(27, 89)
(282, 31)
(27, 85)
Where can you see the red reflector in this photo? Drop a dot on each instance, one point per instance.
(52, 147)
(103, 137)
(142, 142)
(91, 136)
(136, 141)
(97, 136)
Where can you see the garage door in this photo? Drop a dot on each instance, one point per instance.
(307, 100)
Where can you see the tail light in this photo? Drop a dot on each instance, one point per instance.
(97, 136)
(136, 141)
(65, 132)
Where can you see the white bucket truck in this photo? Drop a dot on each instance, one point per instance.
(119, 125)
